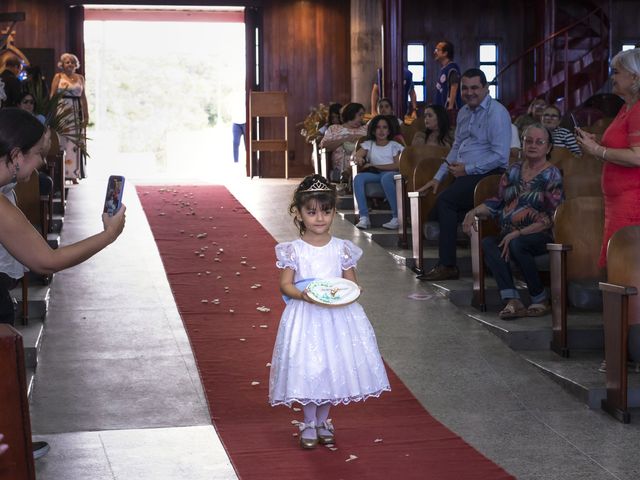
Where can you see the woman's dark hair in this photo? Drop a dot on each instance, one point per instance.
(24, 94)
(539, 126)
(334, 109)
(443, 122)
(313, 189)
(393, 126)
(349, 111)
(384, 99)
(18, 129)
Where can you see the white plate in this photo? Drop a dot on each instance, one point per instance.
(333, 291)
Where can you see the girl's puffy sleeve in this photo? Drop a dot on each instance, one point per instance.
(349, 255)
(286, 256)
(396, 148)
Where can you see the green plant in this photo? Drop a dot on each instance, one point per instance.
(59, 117)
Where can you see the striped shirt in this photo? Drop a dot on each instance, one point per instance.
(564, 138)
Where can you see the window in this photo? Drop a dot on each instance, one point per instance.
(417, 65)
(628, 46)
(488, 55)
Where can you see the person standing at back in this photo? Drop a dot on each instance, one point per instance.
(9, 77)
(481, 148)
(447, 86)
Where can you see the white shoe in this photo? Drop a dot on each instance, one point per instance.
(364, 223)
(391, 224)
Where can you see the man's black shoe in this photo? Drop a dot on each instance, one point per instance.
(440, 272)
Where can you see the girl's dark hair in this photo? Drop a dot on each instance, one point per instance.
(18, 129)
(540, 126)
(334, 108)
(349, 111)
(392, 121)
(325, 198)
(443, 122)
(385, 99)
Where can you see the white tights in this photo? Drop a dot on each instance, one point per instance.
(316, 414)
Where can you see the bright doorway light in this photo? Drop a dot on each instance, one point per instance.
(161, 94)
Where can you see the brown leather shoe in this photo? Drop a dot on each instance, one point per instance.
(440, 272)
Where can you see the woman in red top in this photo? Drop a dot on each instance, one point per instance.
(620, 150)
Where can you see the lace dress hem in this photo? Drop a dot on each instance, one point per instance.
(334, 401)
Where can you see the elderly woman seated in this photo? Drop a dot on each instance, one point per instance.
(528, 195)
(379, 159)
(340, 140)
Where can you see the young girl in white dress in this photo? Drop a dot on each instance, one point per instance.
(323, 356)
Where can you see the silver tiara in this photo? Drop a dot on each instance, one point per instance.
(317, 186)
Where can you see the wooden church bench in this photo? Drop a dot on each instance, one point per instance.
(486, 188)
(621, 309)
(15, 424)
(428, 160)
(573, 258)
(406, 182)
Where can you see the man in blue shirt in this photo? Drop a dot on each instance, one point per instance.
(447, 92)
(481, 148)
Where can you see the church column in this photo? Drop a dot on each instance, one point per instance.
(366, 48)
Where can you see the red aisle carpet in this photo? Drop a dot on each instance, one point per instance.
(232, 342)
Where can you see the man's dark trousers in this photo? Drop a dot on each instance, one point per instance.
(451, 206)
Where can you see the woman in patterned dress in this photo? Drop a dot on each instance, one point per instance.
(71, 85)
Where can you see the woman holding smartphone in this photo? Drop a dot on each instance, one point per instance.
(620, 150)
(24, 143)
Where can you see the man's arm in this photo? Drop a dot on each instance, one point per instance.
(454, 83)
(413, 102)
(498, 127)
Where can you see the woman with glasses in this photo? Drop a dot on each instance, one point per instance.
(528, 195)
(561, 136)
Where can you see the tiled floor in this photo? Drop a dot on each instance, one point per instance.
(118, 396)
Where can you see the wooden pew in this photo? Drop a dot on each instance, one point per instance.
(428, 159)
(578, 227)
(486, 188)
(572, 165)
(581, 176)
(559, 154)
(621, 309)
(408, 130)
(32, 204)
(55, 162)
(405, 183)
(15, 424)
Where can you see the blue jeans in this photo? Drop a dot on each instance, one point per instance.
(522, 249)
(388, 185)
(239, 130)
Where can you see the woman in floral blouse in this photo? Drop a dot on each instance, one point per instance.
(529, 193)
